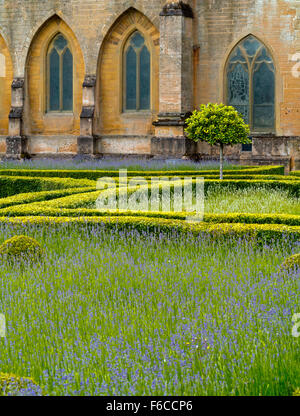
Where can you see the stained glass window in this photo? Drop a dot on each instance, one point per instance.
(60, 75)
(137, 64)
(251, 84)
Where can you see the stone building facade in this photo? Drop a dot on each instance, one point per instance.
(118, 77)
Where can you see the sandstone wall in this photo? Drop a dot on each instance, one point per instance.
(97, 29)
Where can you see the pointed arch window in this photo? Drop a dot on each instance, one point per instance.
(136, 74)
(59, 75)
(251, 84)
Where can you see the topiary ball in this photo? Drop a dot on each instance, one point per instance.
(21, 247)
(296, 392)
(292, 262)
(12, 385)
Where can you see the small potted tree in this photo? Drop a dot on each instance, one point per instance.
(217, 124)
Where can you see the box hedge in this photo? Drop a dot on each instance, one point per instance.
(95, 174)
(265, 232)
(31, 197)
(11, 185)
(243, 218)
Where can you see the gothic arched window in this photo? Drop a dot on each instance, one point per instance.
(137, 63)
(251, 84)
(59, 75)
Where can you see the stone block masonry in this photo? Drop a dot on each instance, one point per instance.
(189, 43)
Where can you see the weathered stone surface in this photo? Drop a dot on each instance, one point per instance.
(172, 147)
(130, 145)
(16, 147)
(188, 58)
(85, 145)
(177, 9)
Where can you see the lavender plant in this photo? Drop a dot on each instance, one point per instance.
(128, 313)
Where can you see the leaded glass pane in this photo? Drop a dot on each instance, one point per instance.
(131, 81)
(264, 56)
(263, 85)
(263, 117)
(145, 79)
(54, 81)
(238, 90)
(60, 43)
(237, 56)
(263, 97)
(240, 70)
(251, 46)
(137, 40)
(67, 81)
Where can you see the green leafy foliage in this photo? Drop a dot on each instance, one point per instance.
(217, 124)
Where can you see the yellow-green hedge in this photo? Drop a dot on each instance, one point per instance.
(95, 174)
(266, 232)
(243, 218)
(13, 385)
(291, 262)
(21, 247)
(12, 185)
(31, 197)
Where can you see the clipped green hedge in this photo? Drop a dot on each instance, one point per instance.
(292, 262)
(296, 392)
(14, 385)
(240, 176)
(293, 187)
(88, 199)
(244, 218)
(21, 247)
(12, 185)
(95, 174)
(295, 173)
(266, 232)
(31, 197)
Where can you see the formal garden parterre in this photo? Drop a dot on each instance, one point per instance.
(128, 302)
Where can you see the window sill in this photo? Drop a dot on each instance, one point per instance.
(59, 114)
(265, 132)
(137, 114)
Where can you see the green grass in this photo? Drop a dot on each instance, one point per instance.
(218, 200)
(117, 313)
(259, 200)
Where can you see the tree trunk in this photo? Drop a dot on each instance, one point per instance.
(221, 159)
